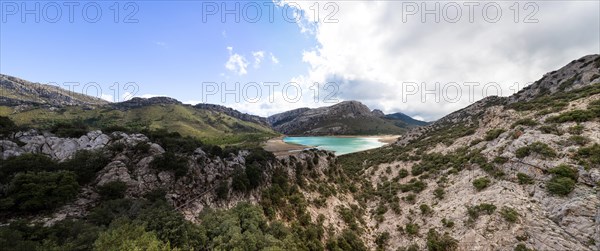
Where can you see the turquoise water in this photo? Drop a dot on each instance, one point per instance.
(340, 145)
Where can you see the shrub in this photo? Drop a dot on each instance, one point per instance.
(402, 173)
(25, 163)
(425, 209)
(573, 116)
(561, 186)
(589, 156)
(509, 214)
(73, 129)
(382, 240)
(493, 134)
(576, 130)
(411, 198)
(112, 190)
(86, 165)
(222, 190)
(578, 140)
(481, 183)
(129, 237)
(522, 247)
(447, 223)
(412, 229)
(524, 179)
(438, 242)
(170, 162)
(550, 129)
(500, 160)
(34, 192)
(564, 170)
(7, 126)
(536, 147)
(524, 122)
(475, 211)
(439, 193)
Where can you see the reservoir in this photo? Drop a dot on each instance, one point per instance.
(340, 145)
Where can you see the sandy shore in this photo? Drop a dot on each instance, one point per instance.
(279, 148)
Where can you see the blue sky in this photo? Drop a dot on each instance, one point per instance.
(372, 51)
(170, 50)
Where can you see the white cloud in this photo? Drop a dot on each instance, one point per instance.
(236, 63)
(161, 44)
(274, 59)
(107, 97)
(372, 51)
(258, 57)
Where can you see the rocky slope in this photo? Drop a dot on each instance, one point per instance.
(234, 113)
(493, 175)
(345, 118)
(15, 91)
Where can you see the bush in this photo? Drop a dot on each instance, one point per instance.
(425, 209)
(34, 192)
(493, 134)
(536, 147)
(412, 229)
(73, 129)
(86, 165)
(382, 240)
(522, 247)
(402, 173)
(25, 163)
(524, 122)
(509, 214)
(439, 193)
(578, 140)
(500, 160)
(573, 116)
(222, 190)
(475, 211)
(589, 156)
(127, 236)
(553, 129)
(576, 130)
(481, 183)
(7, 126)
(438, 242)
(170, 162)
(561, 186)
(564, 170)
(524, 179)
(112, 190)
(447, 223)
(247, 179)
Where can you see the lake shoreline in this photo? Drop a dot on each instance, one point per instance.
(280, 148)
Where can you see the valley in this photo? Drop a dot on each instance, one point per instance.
(504, 173)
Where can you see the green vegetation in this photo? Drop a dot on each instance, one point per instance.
(551, 129)
(524, 122)
(425, 209)
(34, 192)
(475, 211)
(127, 236)
(447, 223)
(578, 140)
(509, 214)
(589, 157)
(381, 240)
(564, 180)
(439, 242)
(493, 134)
(522, 247)
(170, 162)
(573, 116)
(537, 147)
(524, 179)
(481, 183)
(210, 127)
(112, 190)
(576, 129)
(439, 193)
(556, 101)
(7, 126)
(412, 229)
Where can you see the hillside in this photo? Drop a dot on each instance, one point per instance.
(16, 91)
(345, 118)
(71, 114)
(504, 173)
(515, 173)
(403, 120)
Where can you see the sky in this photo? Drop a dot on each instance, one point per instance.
(424, 59)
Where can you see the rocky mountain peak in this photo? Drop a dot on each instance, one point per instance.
(141, 102)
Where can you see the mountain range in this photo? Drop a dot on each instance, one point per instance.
(505, 173)
(43, 106)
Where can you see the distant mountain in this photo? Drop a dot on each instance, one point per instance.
(15, 91)
(401, 119)
(48, 107)
(345, 118)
